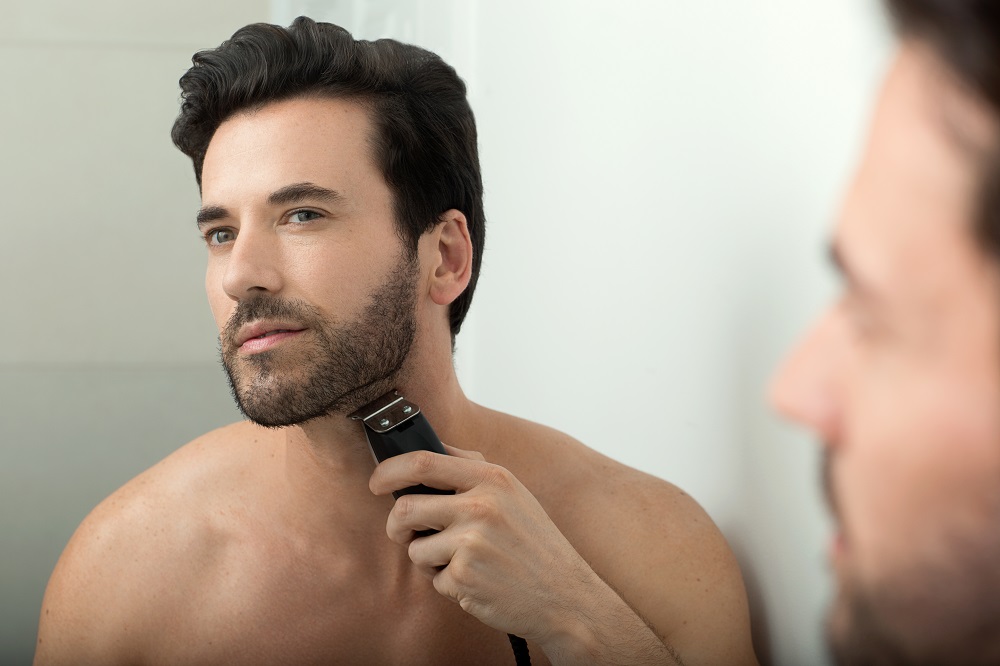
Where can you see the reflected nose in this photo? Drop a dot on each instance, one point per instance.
(806, 387)
(253, 265)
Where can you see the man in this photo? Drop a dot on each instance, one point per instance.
(342, 212)
(900, 378)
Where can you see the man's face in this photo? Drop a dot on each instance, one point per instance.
(310, 285)
(900, 378)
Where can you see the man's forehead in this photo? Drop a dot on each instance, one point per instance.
(310, 125)
(950, 104)
(305, 139)
(915, 195)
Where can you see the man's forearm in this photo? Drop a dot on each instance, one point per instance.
(606, 630)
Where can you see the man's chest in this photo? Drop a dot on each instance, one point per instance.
(277, 614)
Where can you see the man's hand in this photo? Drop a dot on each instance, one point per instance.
(498, 555)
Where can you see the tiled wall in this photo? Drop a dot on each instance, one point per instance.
(107, 348)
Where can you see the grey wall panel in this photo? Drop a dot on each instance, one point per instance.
(69, 436)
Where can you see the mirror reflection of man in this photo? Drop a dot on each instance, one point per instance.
(342, 214)
(900, 378)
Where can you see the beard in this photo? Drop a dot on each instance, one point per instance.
(937, 609)
(334, 367)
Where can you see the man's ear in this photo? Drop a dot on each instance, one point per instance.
(451, 258)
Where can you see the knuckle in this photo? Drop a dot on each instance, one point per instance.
(424, 461)
(480, 509)
(460, 572)
(472, 542)
(500, 478)
(404, 508)
(444, 584)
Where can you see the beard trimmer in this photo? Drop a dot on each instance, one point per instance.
(394, 425)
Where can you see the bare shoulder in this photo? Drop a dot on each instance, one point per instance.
(119, 577)
(646, 537)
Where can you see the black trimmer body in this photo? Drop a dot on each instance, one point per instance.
(394, 425)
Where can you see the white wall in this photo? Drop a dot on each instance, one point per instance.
(660, 177)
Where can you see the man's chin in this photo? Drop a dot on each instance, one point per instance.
(272, 407)
(271, 404)
(270, 419)
(838, 628)
(869, 626)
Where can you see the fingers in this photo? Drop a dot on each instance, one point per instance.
(462, 453)
(459, 473)
(431, 554)
(418, 513)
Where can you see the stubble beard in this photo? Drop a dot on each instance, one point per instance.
(335, 367)
(936, 609)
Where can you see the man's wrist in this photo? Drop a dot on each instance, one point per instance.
(580, 634)
(604, 629)
(573, 640)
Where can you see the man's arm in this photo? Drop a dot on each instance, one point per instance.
(606, 630)
(500, 556)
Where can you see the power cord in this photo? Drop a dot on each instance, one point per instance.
(520, 647)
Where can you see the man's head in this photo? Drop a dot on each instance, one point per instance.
(342, 207)
(423, 137)
(901, 376)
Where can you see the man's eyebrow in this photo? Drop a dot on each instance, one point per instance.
(288, 194)
(211, 214)
(298, 191)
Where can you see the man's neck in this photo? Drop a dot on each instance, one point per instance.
(327, 463)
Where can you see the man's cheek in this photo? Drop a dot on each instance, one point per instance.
(218, 302)
(878, 476)
(909, 463)
(222, 310)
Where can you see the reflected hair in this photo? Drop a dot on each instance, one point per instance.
(965, 37)
(424, 133)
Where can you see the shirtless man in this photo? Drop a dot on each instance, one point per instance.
(342, 212)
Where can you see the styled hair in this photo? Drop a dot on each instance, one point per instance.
(965, 37)
(424, 132)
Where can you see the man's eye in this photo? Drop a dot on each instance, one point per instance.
(220, 236)
(303, 216)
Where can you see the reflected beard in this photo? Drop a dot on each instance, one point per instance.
(932, 612)
(335, 368)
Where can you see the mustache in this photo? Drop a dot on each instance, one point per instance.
(267, 307)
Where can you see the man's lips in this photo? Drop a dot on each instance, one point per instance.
(263, 335)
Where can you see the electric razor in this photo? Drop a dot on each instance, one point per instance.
(394, 425)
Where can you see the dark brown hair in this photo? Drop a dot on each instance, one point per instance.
(425, 133)
(965, 35)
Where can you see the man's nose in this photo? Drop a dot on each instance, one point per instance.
(806, 388)
(254, 264)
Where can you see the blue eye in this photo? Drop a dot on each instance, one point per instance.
(303, 216)
(220, 236)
